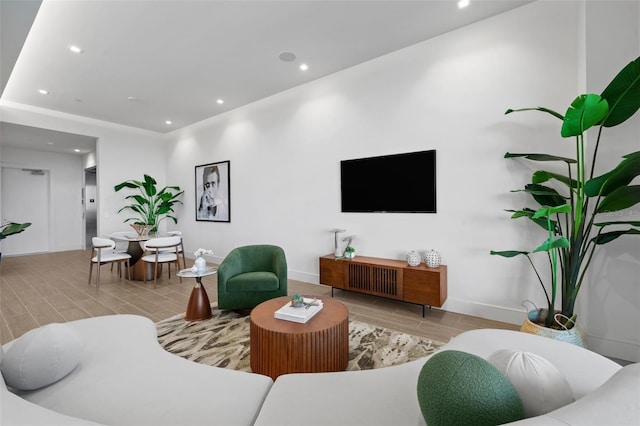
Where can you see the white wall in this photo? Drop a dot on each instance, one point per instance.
(122, 153)
(447, 94)
(611, 310)
(66, 177)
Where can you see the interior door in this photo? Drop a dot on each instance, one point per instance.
(25, 198)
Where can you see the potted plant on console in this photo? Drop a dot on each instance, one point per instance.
(570, 215)
(151, 205)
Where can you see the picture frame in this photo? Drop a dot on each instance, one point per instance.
(213, 192)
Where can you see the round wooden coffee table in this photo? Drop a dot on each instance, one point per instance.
(280, 347)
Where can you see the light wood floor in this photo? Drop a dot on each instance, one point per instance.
(40, 289)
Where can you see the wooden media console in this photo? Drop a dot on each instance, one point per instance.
(393, 279)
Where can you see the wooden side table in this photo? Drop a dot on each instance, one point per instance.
(280, 347)
(199, 307)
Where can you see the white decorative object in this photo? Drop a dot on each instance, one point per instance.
(540, 385)
(42, 356)
(413, 258)
(303, 314)
(432, 259)
(200, 263)
(336, 250)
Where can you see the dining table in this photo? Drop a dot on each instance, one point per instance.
(135, 249)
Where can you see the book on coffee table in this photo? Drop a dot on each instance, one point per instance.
(301, 314)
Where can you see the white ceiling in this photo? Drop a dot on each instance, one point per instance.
(177, 57)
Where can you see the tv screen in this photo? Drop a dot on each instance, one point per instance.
(400, 183)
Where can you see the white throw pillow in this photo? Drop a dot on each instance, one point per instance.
(41, 357)
(541, 386)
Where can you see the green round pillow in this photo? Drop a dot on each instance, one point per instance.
(458, 388)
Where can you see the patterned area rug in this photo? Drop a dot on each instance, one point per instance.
(223, 341)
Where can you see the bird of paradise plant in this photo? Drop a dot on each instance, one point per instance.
(151, 205)
(569, 216)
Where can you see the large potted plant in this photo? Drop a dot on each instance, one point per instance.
(150, 205)
(8, 228)
(570, 204)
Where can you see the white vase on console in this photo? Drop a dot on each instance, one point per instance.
(432, 258)
(413, 258)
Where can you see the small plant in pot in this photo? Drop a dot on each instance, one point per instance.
(150, 205)
(571, 205)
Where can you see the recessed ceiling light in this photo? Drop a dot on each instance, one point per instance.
(76, 150)
(75, 49)
(168, 122)
(43, 92)
(463, 3)
(304, 67)
(131, 98)
(220, 101)
(287, 56)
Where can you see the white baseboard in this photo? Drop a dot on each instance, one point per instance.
(492, 312)
(304, 277)
(627, 351)
(614, 348)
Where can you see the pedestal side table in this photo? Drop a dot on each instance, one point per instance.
(199, 307)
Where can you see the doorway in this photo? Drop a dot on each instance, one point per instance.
(90, 206)
(25, 198)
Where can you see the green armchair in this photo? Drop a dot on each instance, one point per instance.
(250, 275)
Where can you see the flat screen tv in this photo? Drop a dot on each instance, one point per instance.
(400, 183)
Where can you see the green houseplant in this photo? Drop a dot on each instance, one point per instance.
(570, 214)
(150, 205)
(8, 228)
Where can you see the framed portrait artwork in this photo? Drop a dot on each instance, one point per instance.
(213, 192)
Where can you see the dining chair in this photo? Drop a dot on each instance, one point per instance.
(103, 253)
(181, 247)
(161, 250)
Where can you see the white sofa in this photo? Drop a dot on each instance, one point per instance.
(124, 377)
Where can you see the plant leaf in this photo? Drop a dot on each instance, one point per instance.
(622, 175)
(623, 94)
(543, 109)
(13, 228)
(508, 253)
(149, 186)
(606, 237)
(622, 222)
(541, 222)
(584, 112)
(620, 199)
(139, 199)
(548, 211)
(542, 176)
(540, 157)
(544, 195)
(548, 245)
(128, 184)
